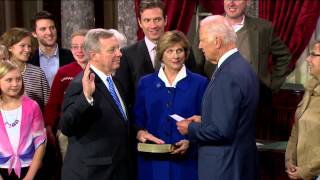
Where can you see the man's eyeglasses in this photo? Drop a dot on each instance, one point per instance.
(313, 54)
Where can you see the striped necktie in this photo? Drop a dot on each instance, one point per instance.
(115, 97)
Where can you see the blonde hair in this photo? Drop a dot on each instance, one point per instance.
(169, 39)
(81, 32)
(5, 68)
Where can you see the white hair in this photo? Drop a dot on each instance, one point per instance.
(120, 37)
(92, 40)
(218, 25)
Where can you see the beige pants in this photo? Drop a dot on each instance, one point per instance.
(63, 143)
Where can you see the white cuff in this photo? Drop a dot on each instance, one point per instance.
(90, 100)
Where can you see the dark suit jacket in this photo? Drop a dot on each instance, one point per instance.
(263, 42)
(65, 57)
(226, 135)
(98, 136)
(136, 62)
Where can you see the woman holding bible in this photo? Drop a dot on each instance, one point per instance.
(171, 90)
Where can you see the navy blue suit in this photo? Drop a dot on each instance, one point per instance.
(226, 134)
(98, 146)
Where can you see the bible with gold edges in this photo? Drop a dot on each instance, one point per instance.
(155, 148)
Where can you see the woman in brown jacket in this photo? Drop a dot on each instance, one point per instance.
(303, 150)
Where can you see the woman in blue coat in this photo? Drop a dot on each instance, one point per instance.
(171, 90)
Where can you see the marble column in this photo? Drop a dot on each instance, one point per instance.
(75, 15)
(126, 20)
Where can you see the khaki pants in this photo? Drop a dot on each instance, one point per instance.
(63, 143)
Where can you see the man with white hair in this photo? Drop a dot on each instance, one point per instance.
(95, 117)
(225, 131)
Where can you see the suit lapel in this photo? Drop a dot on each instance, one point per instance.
(62, 57)
(36, 58)
(143, 51)
(101, 87)
(252, 29)
(217, 73)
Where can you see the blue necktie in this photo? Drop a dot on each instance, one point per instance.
(115, 97)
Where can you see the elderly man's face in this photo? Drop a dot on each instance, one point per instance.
(314, 61)
(107, 59)
(206, 44)
(235, 8)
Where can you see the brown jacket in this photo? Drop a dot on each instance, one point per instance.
(303, 148)
(263, 42)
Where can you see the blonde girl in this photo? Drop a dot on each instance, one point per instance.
(22, 131)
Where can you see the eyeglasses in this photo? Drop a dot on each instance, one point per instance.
(313, 54)
(76, 47)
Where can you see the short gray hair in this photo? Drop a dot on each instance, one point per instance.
(91, 40)
(218, 25)
(120, 37)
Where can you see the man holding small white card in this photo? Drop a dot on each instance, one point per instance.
(225, 131)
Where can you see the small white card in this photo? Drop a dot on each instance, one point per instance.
(177, 117)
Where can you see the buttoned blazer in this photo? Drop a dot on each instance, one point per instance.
(226, 134)
(98, 135)
(135, 63)
(153, 106)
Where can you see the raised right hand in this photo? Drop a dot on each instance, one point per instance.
(88, 82)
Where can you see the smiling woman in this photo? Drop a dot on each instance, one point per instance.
(18, 42)
(302, 154)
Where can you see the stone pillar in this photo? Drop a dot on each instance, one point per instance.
(126, 20)
(75, 15)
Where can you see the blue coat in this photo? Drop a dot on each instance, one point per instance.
(226, 134)
(154, 103)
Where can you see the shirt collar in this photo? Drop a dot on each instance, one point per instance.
(237, 27)
(101, 75)
(150, 44)
(181, 75)
(226, 55)
(54, 54)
